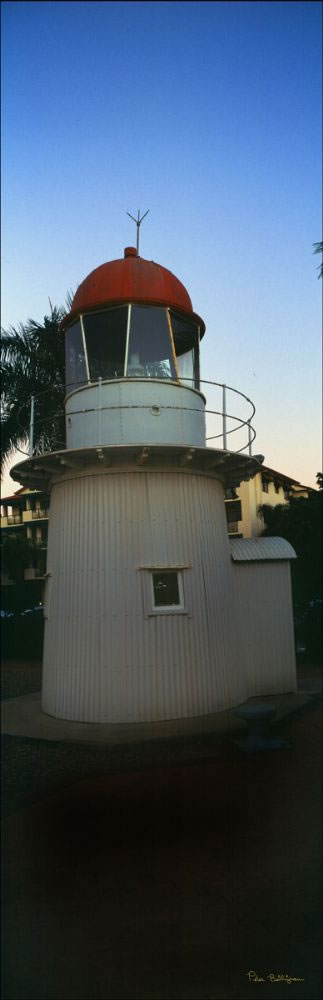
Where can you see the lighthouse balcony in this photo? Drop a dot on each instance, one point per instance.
(140, 416)
(133, 377)
(135, 411)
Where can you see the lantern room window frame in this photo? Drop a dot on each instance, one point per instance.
(171, 315)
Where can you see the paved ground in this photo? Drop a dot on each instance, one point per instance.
(170, 871)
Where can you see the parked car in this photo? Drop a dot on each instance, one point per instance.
(38, 610)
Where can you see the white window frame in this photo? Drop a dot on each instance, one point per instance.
(150, 608)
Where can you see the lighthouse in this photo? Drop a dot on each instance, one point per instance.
(143, 614)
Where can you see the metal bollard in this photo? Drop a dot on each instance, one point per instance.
(258, 719)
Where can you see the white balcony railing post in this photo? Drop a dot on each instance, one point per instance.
(224, 416)
(249, 439)
(100, 412)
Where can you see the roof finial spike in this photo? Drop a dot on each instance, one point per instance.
(138, 222)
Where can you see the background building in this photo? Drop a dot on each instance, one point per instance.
(26, 513)
(266, 487)
(24, 530)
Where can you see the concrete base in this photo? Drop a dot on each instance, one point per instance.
(262, 744)
(23, 717)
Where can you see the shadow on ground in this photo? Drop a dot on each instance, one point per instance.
(166, 881)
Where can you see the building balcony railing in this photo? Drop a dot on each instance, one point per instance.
(33, 574)
(40, 512)
(14, 519)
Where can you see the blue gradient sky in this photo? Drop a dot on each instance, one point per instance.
(209, 115)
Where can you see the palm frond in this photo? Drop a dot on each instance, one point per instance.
(318, 248)
(33, 364)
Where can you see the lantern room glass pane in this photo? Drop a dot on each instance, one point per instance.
(185, 367)
(105, 335)
(150, 350)
(185, 333)
(75, 366)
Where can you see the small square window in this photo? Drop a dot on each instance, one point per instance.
(164, 590)
(167, 589)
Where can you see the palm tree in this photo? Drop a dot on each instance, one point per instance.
(318, 248)
(32, 364)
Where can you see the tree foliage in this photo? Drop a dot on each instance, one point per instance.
(17, 553)
(300, 522)
(32, 364)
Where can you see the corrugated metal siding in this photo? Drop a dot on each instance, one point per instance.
(265, 622)
(253, 549)
(104, 660)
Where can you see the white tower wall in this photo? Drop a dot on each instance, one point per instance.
(107, 656)
(135, 411)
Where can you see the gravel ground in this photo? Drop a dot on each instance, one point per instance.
(20, 678)
(33, 768)
(167, 875)
(167, 883)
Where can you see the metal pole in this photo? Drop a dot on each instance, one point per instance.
(249, 439)
(138, 222)
(224, 416)
(100, 411)
(31, 427)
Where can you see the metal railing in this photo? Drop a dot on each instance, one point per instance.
(221, 423)
(39, 513)
(14, 518)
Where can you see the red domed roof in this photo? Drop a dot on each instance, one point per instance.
(131, 279)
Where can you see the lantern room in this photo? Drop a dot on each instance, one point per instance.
(132, 341)
(133, 320)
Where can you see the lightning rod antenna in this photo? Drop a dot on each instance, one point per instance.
(138, 222)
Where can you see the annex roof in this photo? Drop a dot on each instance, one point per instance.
(260, 549)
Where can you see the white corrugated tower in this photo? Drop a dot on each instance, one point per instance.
(141, 601)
